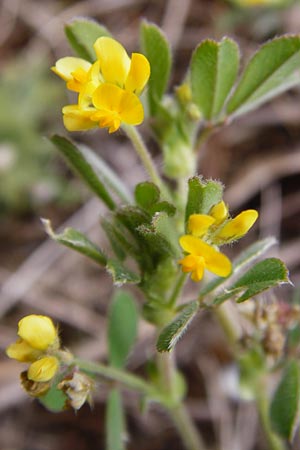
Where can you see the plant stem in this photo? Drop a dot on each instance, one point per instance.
(114, 374)
(262, 402)
(177, 289)
(182, 420)
(186, 428)
(145, 157)
(230, 324)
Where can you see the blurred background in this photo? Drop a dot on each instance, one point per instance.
(257, 157)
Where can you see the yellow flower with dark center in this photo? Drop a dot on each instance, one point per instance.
(108, 89)
(202, 256)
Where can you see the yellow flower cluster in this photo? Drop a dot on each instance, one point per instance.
(37, 345)
(206, 231)
(108, 90)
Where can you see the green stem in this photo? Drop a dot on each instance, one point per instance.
(203, 136)
(186, 428)
(262, 402)
(182, 420)
(177, 289)
(121, 376)
(229, 323)
(145, 157)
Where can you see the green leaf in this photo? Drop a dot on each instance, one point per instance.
(54, 400)
(115, 422)
(284, 411)
(77, 241)
(121, 274)
(163, 206)
(160, 236)
(214, 69)
(202, 195)
(81, 34)
(105, 173)
(132, 217)
(273, 69)
(263, 275)
(173, 332)
(122, 328)
(80, 165)
(146, 194)
(251, 253)
(156, 48)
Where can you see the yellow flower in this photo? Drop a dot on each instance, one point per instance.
(202, 256)
(37, 331)
(216, 228)
(114, 106)
(75, 71)
(219, 212)
(43, 369)
(236, 228)
(108, 89)
(199, 224)
(37, 334)
(117, 68)
(22, 351)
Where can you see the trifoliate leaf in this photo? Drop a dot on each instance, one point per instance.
(273, 69)
(265, 274)
(214, 68)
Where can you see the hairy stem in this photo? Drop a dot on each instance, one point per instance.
(182, 420)
(145, 157)
(118, 375)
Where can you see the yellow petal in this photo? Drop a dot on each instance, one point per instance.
(219, 212)
(43, 369)
(64, 67)
(237, 227)
(114, 61)
(139, 73)
(38, 331)
(194, 264)
(115, 105)
(77, 119)
(194, 245)
(215, 261)
(131, 109)
(198, 224)
(21, 351)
